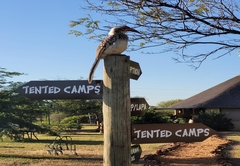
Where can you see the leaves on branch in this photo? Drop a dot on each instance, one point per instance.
(180, 26)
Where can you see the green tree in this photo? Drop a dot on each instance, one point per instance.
(78, 107)
(4, 74)
(179, 26)
(150, 117)
(169, 113)
(16, 111)
(165, 104)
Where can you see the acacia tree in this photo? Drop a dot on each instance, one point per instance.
(180, 26)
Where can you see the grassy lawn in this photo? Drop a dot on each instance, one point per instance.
(89, 148)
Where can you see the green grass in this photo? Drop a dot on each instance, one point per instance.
(89, 127)
(89, 147)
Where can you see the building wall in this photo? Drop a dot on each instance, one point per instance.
(236, 125)
(234, 114)
(187, 112)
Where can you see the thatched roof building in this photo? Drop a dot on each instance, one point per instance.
(224, 95)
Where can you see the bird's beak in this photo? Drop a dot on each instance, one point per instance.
(133, 30)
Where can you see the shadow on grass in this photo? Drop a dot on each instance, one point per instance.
(20, 147)
(235, 161)
(229, 151)
(232, 151)
(76, 142)
(51, 157)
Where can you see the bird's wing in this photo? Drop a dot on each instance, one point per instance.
(105, 43)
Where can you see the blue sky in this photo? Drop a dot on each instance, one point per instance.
(34, 40)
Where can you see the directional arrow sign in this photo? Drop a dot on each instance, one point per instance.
(162, 133)
(139, 106)
(136, 152)
(62, 89)
(135, 70)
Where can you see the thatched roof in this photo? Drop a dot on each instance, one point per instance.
(224, 95)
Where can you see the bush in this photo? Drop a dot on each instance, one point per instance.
(150, 117)
(72, 122)
(215, 120)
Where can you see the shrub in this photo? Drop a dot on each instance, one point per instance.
(150, 117)
(215, 120)
(72, 122)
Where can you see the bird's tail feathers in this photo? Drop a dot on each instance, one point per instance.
(91, 74)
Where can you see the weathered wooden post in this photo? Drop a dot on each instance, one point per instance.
(116, 111)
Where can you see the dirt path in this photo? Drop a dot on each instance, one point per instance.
(206, 153)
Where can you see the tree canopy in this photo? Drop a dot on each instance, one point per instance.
(207, 28)
(16, 111)
(165, 104)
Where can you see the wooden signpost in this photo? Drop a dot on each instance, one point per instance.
(62, 89)
(116, 114)
(139, 106)
(114, 90)
(163, 133)
(136, 152)
(135, 70)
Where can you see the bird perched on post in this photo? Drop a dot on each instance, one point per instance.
(115, 43)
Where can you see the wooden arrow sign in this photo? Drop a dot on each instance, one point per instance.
(135, 70)
(136, 152)
(62, 89)
(163, 133)
(139, 106)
